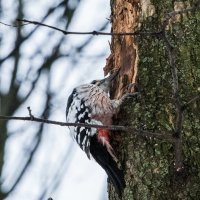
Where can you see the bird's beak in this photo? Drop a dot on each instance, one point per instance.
(111, 77)
(106, 82)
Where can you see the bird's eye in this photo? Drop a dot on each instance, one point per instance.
(94, 82)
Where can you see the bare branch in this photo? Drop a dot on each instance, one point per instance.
(162, 136)
(27, 22)
(36, 119)
(72, 32)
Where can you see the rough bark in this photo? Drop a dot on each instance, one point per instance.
(148, 163)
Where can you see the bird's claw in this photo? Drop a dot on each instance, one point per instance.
(131, 95)
(134, 87)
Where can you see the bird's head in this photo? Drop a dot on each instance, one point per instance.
(105, 83)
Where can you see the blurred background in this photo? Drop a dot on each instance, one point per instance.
(39, 67)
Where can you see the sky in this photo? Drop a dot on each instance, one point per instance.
(83, 178)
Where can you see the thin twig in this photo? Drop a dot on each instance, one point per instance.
(12, 25)
(178, 105)
(155, 33)
(195, 98)
(78, 32)
(88, 32)
(73, 32)
(162, 136)
(168, 16)
(30, 114)
(36, 119)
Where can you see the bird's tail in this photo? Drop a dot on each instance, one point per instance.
(106, 161)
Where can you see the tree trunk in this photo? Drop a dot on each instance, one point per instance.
(163, 59)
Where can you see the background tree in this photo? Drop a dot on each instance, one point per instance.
(38, 68)
(163, 58)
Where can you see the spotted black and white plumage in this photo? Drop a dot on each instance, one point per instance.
(91, 104)
(78, 111)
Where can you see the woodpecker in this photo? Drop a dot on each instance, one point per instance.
(91, 104)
